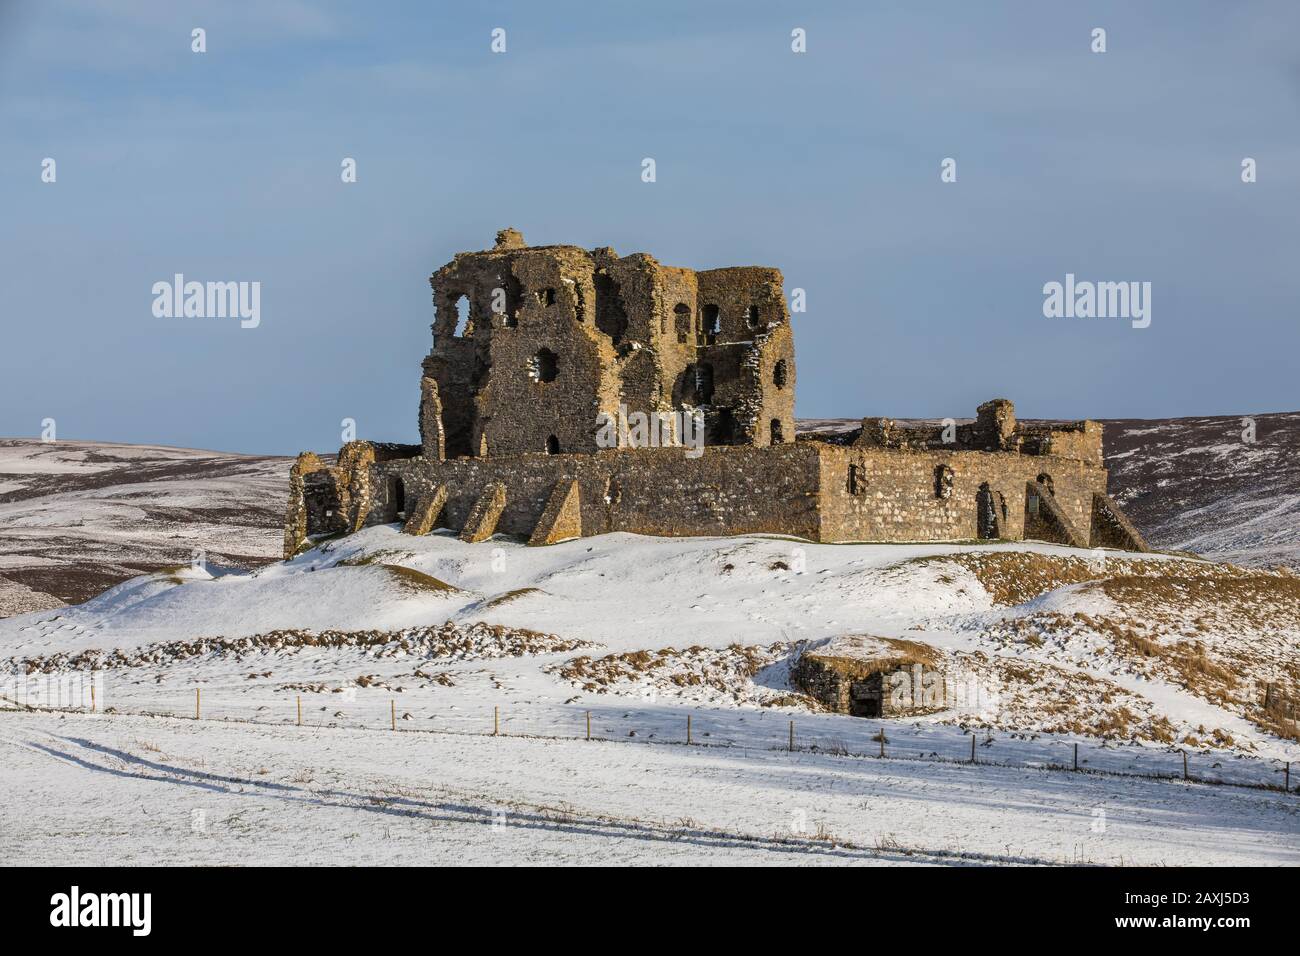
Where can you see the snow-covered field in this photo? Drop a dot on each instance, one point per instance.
(138, 790)
(380, 629)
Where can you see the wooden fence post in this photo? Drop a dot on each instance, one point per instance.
(588, 725)
(392, 709)
(1076, 756)
(688, 728)
(1288, 777)
(882, 741)
(1185, 777)
(92, 693)
(197, 711)
(972, 746)
(792, 736)
(299, 711)
(496, 721)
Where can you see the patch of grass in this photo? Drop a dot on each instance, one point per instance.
(417, 580)
(509, 596)
(374, 557)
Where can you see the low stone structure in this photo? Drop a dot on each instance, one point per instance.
(866, 676)
(572, 393)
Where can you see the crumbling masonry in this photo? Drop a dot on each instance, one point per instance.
(568, 393)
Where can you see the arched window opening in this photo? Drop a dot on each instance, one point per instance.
(552, 445)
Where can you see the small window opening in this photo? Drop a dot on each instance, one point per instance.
(780, 373)
(857, 482)
(682, 321)
(986, 511)
(778, 433)
(751, 317)
(397, 495)
(943, 482)
(462, 317)
(546, 296)
(698, 384)
(552, 445)
(613, 491)
(712, 317)
(544, 366)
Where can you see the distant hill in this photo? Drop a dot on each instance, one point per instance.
(78, 517)
(1194, 484)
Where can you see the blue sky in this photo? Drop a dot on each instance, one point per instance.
(924, 298)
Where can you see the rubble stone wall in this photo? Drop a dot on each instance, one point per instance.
(880, 494)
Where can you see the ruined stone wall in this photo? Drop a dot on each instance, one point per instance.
(551, 372)
(874, 494)
(770, 371)
(743, 331)
(537, 371)
(674, 339)
(657, 491)
(1082, 441)
(813, 490)
(556, 336)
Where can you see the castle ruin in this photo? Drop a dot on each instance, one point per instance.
(572, 392)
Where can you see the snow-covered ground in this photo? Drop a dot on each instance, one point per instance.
(134, 790)
(637, 634)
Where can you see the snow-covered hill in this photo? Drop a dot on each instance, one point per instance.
(1166, 652)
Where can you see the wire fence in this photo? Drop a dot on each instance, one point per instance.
(759, 729)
